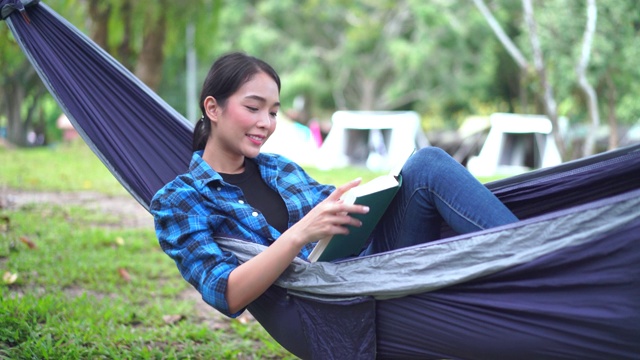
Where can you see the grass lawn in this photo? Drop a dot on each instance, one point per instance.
(75, 285)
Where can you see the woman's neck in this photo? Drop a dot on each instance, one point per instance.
(222, 162)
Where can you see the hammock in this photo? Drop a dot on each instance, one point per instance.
(563, 283)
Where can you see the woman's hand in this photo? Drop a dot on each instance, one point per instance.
(330, 217)
(252, 278)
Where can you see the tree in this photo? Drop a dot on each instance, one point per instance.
(585, 86)
(117, 16)
(20, 91)
(135, 33)
(348, 44)
(439, 57)
(547, 96)
(366, 55)
(617, 40)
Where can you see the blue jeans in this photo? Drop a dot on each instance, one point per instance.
(436, 188)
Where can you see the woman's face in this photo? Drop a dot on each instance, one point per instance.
(248, 118)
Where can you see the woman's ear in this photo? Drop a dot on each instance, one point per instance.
(211, 108)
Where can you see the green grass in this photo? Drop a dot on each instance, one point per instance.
(91, 290)
(73, 167)
(71, 300)
(68, 167)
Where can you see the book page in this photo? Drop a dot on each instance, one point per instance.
(375, 185)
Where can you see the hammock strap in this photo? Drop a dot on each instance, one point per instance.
(17, 5)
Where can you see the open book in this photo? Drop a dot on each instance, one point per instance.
(377, 195)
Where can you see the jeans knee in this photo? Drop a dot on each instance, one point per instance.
(430, 166)
(433, 153)
(431, 156)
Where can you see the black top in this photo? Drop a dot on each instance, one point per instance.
(259, 195)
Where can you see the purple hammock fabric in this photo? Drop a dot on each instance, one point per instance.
(578, 302)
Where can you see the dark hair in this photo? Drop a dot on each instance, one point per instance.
(227, 74)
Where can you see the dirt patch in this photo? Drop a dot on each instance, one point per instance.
(129, 212)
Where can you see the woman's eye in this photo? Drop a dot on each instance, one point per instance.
(252, 108)
(274, 114)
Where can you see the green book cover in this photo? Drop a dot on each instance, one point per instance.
(377, 195)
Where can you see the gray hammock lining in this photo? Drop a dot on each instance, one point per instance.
(437, 265)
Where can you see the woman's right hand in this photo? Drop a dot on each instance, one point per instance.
(252, 278)
(330, 217)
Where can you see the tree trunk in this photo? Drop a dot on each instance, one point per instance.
(612, 94)
(511, 48)
(33, 119)
(548, 99)
(151, 58)
(587, 89)
(546, 92)
(99, 13)
(124, 52)
(367, 94)
(16, 132)
(522, 90)
(340, 77)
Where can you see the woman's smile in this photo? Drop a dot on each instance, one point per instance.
(256, 139)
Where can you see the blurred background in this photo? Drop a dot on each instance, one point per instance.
(457, 65)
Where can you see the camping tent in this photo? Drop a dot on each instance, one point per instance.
(376, 139)
(294, 141)
(516, 143)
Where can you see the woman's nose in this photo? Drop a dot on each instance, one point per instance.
(264, 120)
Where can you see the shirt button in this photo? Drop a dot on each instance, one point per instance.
(255, 213)
(219, 188)
(241, 201)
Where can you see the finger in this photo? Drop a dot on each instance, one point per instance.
(340, 208)
(346, 220)
(355, 209)
(339, 191)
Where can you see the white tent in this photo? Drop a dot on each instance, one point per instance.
(516, 143)
(292, 140)
(377, 139)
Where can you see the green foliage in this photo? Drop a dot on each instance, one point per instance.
(439, 57)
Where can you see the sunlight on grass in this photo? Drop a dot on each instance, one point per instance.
(71, 300)
(73, 167)
(66, 167)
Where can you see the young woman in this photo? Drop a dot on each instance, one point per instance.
(233, 190)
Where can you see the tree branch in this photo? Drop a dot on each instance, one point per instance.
(549, 101)
(581, 69)
(511, 48)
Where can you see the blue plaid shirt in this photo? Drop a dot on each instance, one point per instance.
(198, 206)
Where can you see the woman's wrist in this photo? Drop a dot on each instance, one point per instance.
(296, 238)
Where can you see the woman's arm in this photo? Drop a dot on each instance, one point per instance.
(249, 280)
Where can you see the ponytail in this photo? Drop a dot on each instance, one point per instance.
(201, 134)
